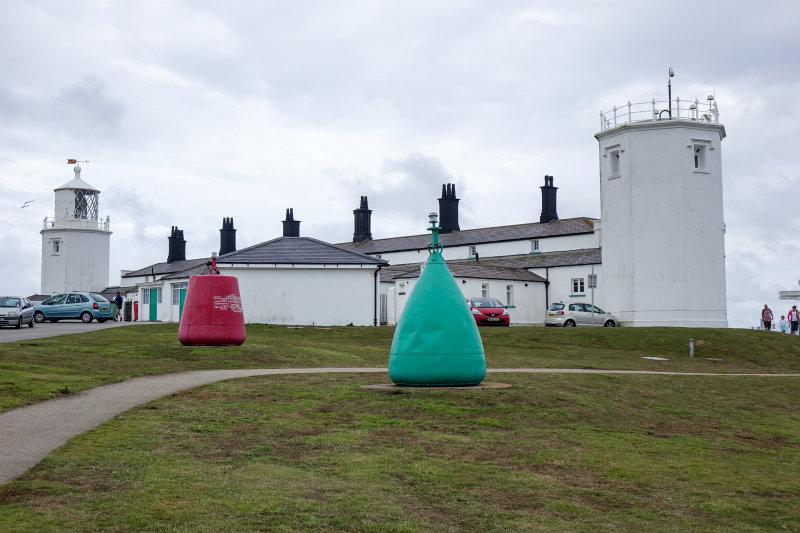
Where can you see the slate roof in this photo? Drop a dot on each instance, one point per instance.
(464, 270)
(532, 230)
(196, 270)
(164, 269)
(585, 256)
(298, 251)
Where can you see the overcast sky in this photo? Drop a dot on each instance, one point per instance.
(193, 111)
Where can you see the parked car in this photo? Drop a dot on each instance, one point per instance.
(15, 311)
(578, 314)
(488, 312)
(86, 306)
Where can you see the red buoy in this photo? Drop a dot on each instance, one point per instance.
(212, 312)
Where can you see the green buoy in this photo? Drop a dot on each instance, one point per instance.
(436, 342)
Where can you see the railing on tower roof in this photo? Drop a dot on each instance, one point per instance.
(657, 110)
(82, 223)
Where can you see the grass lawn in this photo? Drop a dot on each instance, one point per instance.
(555, 452)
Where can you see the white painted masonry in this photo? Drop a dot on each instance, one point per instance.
(663, 227)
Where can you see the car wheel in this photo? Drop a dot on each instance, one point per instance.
(610, 324)
(30, 324)
(569, 324)
(86, 317)
(38, 316)
(19, 323)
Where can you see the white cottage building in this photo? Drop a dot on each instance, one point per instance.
(288, 280)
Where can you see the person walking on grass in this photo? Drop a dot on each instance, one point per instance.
(793, 319)
(766, 316)
(784, 324)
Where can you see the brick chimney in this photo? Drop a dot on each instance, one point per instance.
(448, 209)
(227, 237)
(548, 201)
(291, 227)
(363, 222)
(177, 246)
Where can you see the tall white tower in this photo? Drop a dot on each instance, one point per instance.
(662, 233)
(75, 244)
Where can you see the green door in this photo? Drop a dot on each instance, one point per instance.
(153, 304)
(182, 293)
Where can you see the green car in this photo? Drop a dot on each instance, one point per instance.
(86, 306)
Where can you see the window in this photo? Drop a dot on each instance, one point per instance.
(509, 295)
(699, 152)
(485, 290)
(176, 292)
(577, 286)
(612, 155)
(158, 298)
(56, 243)
(145, 296)
(535, 245)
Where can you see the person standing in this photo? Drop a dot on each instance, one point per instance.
(784, 324)
(766, 316)
(793, 319)
(118, 301)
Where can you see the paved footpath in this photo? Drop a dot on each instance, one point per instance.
(28, 434)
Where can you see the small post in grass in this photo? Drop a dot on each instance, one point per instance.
(691, 347)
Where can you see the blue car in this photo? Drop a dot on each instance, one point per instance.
(86, 306)
(15, 311)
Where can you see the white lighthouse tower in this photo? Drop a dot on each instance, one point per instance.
(662, 233)
(75, 244)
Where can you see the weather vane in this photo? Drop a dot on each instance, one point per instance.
(76, 161)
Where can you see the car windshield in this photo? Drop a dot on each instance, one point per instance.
(556, 307)
(9, 302)
(53, 300)
(98, 298)
(486, 302)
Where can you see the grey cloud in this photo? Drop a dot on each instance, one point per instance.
(87, 109)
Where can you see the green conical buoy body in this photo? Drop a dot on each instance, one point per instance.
(436, 342)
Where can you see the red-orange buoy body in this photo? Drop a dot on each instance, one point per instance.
(212, 312)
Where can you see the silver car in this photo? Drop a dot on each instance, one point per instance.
(15, 311)
(578, 314)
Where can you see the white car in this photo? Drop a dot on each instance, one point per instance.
(578, 314)
(15, 311)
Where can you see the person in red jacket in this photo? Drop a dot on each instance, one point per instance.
(766, 316)
(793, 319)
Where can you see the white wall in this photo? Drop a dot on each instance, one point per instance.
(518, 247)
(560, 288)
(662, 238)
(322, 296)
(81, 264)
(529, 307)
